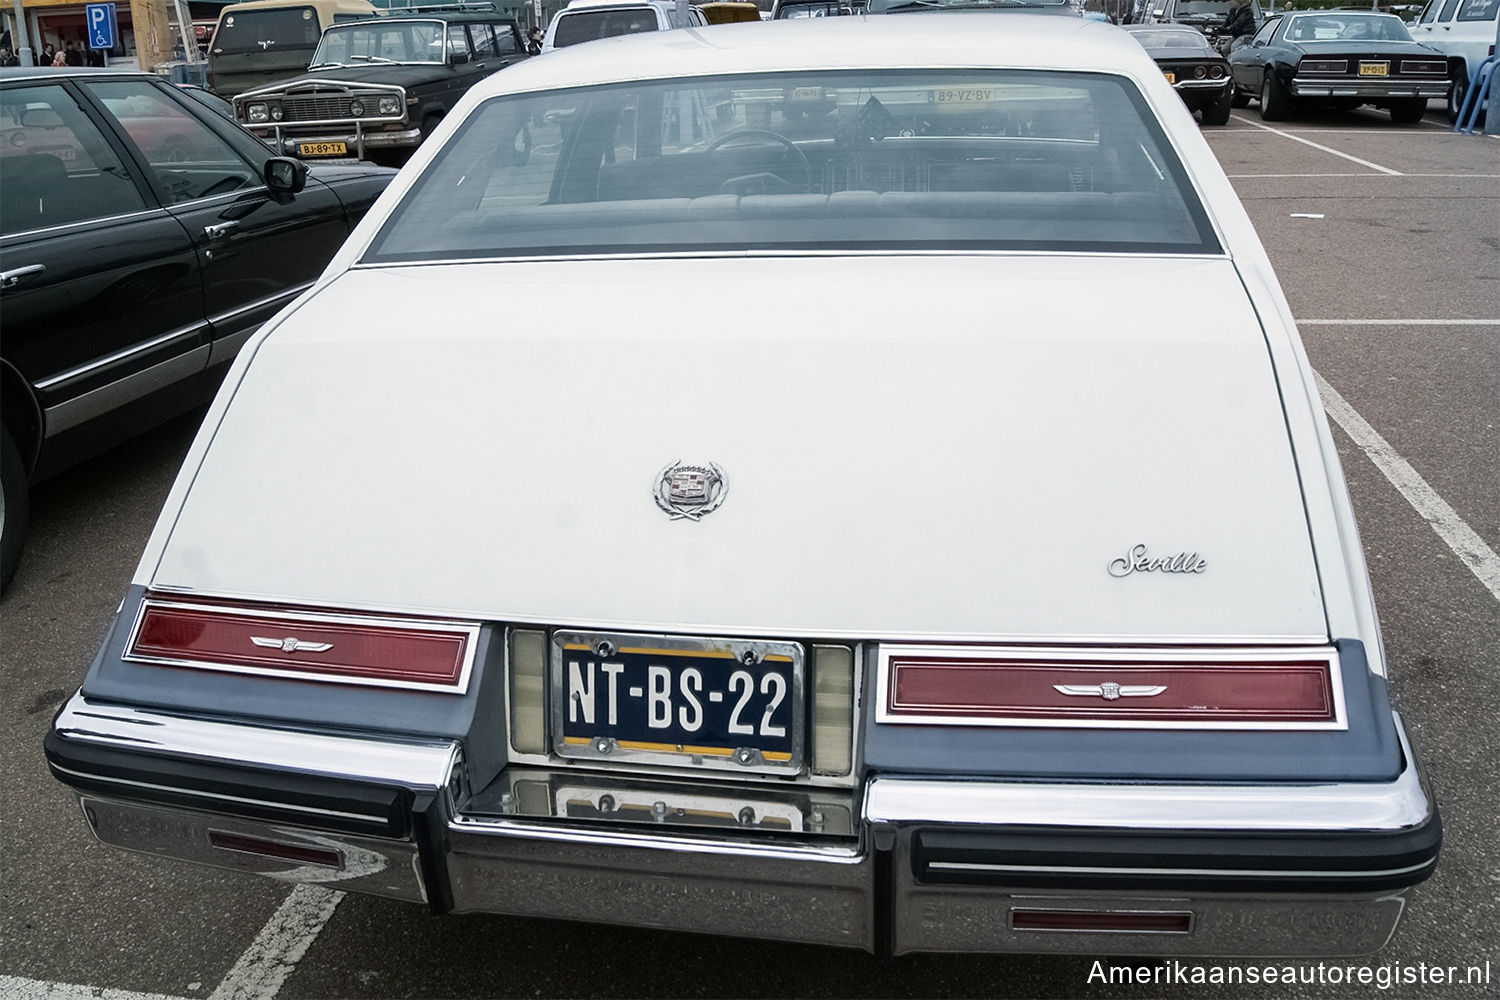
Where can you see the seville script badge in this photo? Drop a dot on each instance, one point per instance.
(690, 491)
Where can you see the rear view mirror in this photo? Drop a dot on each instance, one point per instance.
(285, 177)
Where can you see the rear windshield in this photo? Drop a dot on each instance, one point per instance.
(1187, 39)
(876, 159)
(268, 31)
(585, 26)
(1200, 8)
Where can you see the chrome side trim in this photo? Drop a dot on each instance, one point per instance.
(469, 630)
(273, 301)
(413, 764)
(181, 333)
(91, 223)
(1134, 654)
(1344, 806)
(107, 398)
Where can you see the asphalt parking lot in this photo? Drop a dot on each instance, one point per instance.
(1387, 243)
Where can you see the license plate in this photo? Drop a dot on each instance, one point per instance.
(963, 95)
(807, 94)
(1171, 77)
(322, 149)
(725, 704)
(1374, 69)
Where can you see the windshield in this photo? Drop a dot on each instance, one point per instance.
(1172, 38)
(381, 41)
(587, 25)
(875, 159)
(1347, 27)
(267, 31)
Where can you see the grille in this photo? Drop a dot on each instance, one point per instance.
(319, 108)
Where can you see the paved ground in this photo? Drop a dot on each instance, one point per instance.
(1396, 281)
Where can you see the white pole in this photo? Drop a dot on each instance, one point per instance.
(22, 39)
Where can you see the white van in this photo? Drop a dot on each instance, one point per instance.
(586, 20)
(1464, 31)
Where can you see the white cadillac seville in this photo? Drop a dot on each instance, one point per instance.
(853, 482)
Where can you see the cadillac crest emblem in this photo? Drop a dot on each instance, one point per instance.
(690, 491)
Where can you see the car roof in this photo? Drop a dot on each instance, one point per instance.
(64, 72)
(454, 16)
(341, 6)
(960, 40)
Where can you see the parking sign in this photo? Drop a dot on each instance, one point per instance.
(99, 18)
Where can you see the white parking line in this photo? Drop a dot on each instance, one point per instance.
(1398, 322)
(1314, 145)
(1452, 529)
(1483, 177)
(280, 945)
(16, 988)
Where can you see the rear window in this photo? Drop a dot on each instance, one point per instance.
(585, 26)
(1478, 10)
(267, 30)
(872, 160)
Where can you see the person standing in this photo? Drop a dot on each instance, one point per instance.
(72, 54)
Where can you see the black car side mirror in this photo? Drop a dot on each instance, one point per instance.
(285, 176)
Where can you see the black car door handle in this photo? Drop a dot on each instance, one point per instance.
(12, 278)
(220, 231)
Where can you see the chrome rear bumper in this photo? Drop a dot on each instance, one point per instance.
(1375, 89)
(929, 865)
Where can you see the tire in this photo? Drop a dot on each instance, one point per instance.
(15, 508)
(1456, 94)
(1275, 104)
(430, 123)
(1409, 111)
(1240, 99)
(1217, 113)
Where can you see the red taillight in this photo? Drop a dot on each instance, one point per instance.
(309, 645)
(299, 853)
(1166, 689)
(1216, 72)
(1200, 71)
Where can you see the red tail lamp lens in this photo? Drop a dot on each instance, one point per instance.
(305, 644)
(1200, 72)
(1228, 689)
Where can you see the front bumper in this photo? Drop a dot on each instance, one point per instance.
(287, 140)
(915, 865)
(1369, 90)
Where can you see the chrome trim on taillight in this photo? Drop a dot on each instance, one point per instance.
(1111, 692)
(467, 632)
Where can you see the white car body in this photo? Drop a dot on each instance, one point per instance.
(1009, 461)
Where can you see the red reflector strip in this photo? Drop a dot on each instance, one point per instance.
(356, 649)
(1101, 921)
(299, 853)
(1241, 690)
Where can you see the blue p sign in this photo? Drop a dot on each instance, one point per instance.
(99, 18)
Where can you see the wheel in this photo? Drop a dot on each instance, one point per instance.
(430, 123)
(1275, 105)
(1409, 111)
(1240, 99)
(777, 137)
(1217, 113)
(1456, 94)
(15, 508)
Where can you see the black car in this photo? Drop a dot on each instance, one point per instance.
(377, 88)
(1192, 66)
(1206, 16)
(1339, 59)
(143, 239)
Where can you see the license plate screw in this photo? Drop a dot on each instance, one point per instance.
(747, 816)
(604, 648)
(603, 744)
(747, 756)
(606, 803)
(749, 658)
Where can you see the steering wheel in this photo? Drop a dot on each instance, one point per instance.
(761, 178)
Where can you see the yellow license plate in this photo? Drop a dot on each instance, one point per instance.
(322, 149)
(963, 95)
(1171, 77)
(1374, 69)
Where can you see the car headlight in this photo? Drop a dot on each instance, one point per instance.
(390, 105)
(257, 113)
(276, 112)
(356, 108)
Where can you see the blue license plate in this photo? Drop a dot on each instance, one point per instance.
(712, 703)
